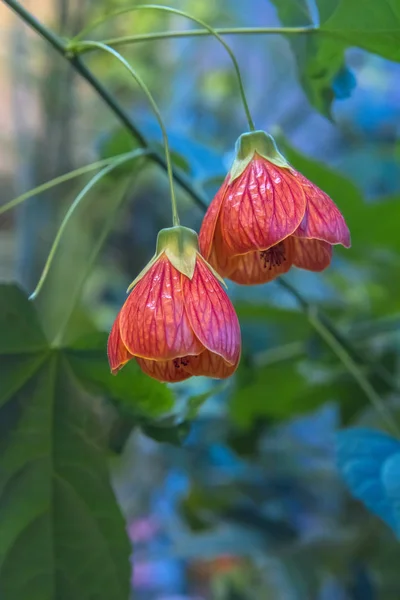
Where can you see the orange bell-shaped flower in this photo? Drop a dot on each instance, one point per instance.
(267, 217)
(178, 320)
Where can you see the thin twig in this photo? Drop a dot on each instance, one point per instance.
(162, 35)
(329, 334)
(76, 62)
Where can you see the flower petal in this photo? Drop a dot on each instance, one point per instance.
(219, 257)
(313, 255)
(262, 207)
(322, 219)
(164, 370)
(210, 365)
(258, 267)
(211, 313)
(153, 322)
(118, 355)
(210, 219)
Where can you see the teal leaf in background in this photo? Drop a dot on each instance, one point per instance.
(369, 462)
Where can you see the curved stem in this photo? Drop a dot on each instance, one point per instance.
(73, 46)
(60, 46)
(186, 184)
(162, 35)
(61, 179)
(333, 341)
(58, 339)
(187, 16)
(355, 371)
(73, 207)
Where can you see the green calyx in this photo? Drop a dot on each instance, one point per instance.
(180, 245)
(177, 239)
(255, 142)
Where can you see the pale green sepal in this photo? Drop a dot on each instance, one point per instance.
(142, 273)
(181, 246)
(255, 142)
(214, 272)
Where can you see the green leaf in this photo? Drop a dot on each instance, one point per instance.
(19, 324)
(368, 24)
(62, 534)
(377, 224)
(118, 142)
(73, 261)
(291, 323)
(175, 434)
(271, 391)
(316, 68)
(16, 370)
(372, 25)
(139, 394)
(279, 391)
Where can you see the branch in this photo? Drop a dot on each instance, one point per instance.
(61, 47)
(326, 330)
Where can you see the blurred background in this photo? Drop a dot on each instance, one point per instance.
(245, 502)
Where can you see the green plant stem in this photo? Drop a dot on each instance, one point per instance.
(75, 46)
(198, 198)
(333, 341)
(130, 156)
(58, 340)
(181, 13)
(61, 47)
(61, 179)
(163, 35)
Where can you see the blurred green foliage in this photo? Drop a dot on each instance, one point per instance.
(261, 484)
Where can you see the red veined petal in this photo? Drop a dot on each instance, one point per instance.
(153, 322)
(211, 313)
(118, 355)
(258, 267)
(219, 257)
(210, 365)
(313, 255)
(262, 207)
(210, 219)
(168, 371)
(207, 364)
(322, 219)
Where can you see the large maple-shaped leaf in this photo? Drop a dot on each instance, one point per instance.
(62, 534)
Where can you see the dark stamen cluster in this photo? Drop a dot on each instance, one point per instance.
(181, 362)
(273, 257)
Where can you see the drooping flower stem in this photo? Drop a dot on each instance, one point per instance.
(331, 339)
(60, 46)
(134, 154)
(181, 13)
(74, 47)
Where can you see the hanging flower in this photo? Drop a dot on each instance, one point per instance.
(178, 320)
(267, 217)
